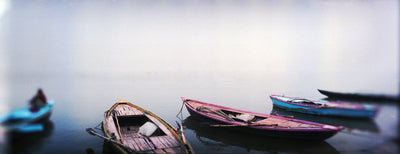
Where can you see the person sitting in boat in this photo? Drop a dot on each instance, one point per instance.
(38, 101)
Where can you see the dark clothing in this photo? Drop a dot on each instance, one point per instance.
(38, 101)
(39, 96)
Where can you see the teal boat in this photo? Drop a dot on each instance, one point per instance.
(340, 109)
(25, 121)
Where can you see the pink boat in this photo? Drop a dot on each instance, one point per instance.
(257, 123)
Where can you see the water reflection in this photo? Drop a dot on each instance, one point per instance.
(367, 125)
(221, 138)
(25, 143)
(107, 148)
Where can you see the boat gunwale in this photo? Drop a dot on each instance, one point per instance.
(327, 128)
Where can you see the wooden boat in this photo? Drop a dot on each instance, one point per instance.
(25, 121)
(257, 123)
(359, 96)
(136, 130)
(324, 108)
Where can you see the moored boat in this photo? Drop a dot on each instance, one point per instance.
(360, 96)
(340, 109)
(25, 121)
(136, 130)
(257, 123)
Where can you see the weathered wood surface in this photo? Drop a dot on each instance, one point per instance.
(110, 126)
(124, 109)
(172, 150)
(154, 144)
(164, 142)
(137, 142)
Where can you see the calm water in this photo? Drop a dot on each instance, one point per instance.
(86, 55)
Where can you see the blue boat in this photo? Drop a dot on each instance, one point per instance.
(25, 121)
(340, 109)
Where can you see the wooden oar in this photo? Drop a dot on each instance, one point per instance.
(220, 113)
(94, 133)
(243, 125)
(180, 130)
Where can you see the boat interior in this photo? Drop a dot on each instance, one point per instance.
(242, 117)
(141, 132)
(300, 101)
(129, 125)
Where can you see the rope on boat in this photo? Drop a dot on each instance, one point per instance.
(180, 115)
(98, 125)
(179, 130)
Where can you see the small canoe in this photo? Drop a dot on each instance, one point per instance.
(359, 96)
(340, 109)
(137, 130)
(25, 121)
(257, 123)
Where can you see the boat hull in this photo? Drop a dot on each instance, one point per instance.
(19, 121)
(360, 96)
(306, 135)
(301, 133)
(360, 112)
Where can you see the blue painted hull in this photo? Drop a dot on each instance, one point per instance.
(316, 110)
(23, 120)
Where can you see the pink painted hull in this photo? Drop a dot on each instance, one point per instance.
(318, 132)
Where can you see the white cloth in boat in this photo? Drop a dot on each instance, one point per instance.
(244, 117)
(147, 128)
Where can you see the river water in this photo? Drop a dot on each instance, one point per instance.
(86, 55)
